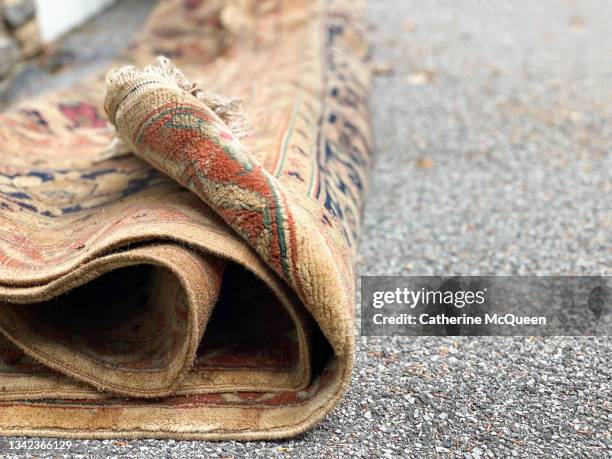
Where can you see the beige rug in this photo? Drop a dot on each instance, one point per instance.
(195, 279)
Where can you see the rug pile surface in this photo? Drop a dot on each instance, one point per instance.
(196, 283)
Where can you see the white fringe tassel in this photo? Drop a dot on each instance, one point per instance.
(230, 110)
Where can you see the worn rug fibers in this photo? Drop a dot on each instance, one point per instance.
(175, 265)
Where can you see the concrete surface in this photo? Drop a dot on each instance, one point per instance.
(493, 157)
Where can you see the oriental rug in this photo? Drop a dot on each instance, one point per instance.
(172, 264)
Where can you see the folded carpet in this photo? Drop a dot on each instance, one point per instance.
(172, 264)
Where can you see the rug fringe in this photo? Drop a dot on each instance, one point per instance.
(230, 110)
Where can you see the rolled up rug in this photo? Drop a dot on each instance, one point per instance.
(196, 279)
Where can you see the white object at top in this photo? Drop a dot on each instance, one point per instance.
(56, 17)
